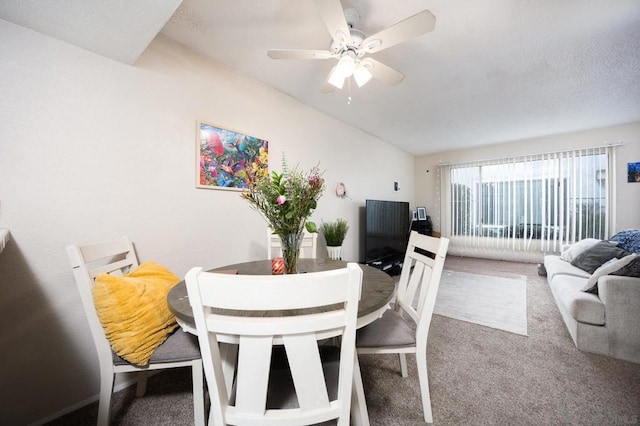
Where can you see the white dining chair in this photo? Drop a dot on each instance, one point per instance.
(283, 376)
(118, 257)
(405, 328)
(308, 245)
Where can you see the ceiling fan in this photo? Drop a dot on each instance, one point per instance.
(350, 46)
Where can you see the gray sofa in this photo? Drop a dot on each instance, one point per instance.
(606, 323)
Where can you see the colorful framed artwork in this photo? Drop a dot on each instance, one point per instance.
(633, 172)
(224, 157)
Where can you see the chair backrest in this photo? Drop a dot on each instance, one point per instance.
(420, 280)
(279, 303)
(308, 245)
(115, 257)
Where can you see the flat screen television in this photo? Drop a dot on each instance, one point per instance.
(387, 225)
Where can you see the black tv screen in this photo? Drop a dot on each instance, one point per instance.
(386, 231)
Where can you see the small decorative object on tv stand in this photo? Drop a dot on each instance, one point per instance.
(421, 213)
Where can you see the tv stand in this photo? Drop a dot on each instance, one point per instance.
(422, 226)
(392, 266)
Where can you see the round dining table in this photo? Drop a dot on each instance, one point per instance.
(377, 291)
(378, 288)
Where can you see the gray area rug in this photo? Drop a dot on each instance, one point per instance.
(496, 302)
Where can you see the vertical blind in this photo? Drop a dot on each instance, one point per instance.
(530, 203)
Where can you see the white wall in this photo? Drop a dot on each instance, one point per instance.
(628, 194)
(91, 149)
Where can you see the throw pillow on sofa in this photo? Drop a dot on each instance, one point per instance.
(596, 255)
(629, 240)
(575, 250)
(632, 269)
(608, 268)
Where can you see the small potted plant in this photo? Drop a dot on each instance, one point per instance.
(334, 233)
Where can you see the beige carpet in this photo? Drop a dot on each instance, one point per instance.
(477, 375)
(496, 302)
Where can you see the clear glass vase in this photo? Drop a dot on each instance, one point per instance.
(291, 252)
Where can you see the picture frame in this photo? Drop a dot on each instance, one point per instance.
(633, 172)
(223, 157)
(421, 213)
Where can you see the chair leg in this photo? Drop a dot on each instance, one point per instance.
(141, 387)
(198, 393)
(403, 364)
(359, 413)
(421, 359)
(106, 389)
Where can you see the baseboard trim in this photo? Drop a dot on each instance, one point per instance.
(117, 388)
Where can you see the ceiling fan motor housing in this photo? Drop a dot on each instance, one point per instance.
(357, 37)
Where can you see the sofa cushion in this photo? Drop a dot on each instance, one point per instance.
(596, 255)
(629, 240)
(583, 307)
(607, 268)
(554, 265)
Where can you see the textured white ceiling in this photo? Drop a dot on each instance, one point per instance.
(119, 30)
(492, 71)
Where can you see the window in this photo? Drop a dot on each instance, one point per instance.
(554, 198)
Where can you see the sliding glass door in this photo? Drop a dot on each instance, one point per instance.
(554, 198)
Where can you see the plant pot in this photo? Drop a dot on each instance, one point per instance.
(335, 252)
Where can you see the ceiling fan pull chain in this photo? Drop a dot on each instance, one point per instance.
(349, 92)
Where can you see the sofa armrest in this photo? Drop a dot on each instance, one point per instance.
(620, 291)
(621, 297)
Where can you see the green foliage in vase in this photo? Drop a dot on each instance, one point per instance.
(334, 232)
(286, 200)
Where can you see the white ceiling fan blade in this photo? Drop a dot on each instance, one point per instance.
(298, 54)
(416, 25)
(333, 17)
(382, 72)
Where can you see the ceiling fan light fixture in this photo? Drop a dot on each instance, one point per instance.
(345, 66)
(361, 75)
(350, 47)
(336, 79)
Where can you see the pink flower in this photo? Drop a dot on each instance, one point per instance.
(281, 200)
(314, 181)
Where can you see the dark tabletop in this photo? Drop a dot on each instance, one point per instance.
(377, 287)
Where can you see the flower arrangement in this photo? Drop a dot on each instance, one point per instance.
(286, 200)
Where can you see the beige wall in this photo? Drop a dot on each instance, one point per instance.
(628, 194)
(91, 149)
